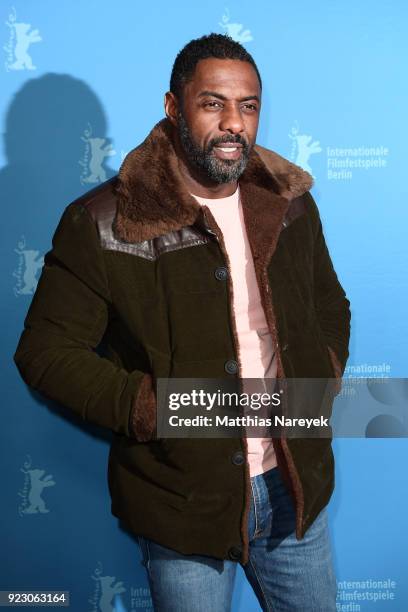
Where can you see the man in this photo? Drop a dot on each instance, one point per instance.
(203, 258)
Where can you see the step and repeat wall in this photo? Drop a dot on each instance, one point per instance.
(81, 84)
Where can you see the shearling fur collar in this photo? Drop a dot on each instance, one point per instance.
(152, 198)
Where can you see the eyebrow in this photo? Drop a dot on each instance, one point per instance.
(221, 97)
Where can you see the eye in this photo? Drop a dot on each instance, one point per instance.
(251, 107)
(212, 104)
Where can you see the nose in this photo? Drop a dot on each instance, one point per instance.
(231, 120)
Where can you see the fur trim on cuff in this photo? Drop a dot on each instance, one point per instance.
(143, 419)
(337, 369)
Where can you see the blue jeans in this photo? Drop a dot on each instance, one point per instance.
(286, 574)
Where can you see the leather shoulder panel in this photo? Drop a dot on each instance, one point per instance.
(296, 208)
(101, 204)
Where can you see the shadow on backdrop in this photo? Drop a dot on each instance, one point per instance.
(56, 149)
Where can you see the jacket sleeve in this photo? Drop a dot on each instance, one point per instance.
(332, 305)
(66, 321)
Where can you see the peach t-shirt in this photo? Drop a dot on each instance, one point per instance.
(255, 342)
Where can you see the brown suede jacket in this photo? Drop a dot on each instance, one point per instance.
(133, 264)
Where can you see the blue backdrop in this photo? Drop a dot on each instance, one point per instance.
(81, 84)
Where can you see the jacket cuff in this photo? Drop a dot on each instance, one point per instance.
(335, 363)
(143, 417)
(338, 371)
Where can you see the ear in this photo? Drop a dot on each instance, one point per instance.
(171, 107)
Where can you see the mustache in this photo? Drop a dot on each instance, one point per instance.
(237, 139)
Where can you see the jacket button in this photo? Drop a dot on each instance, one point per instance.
(231, 366)
(234, 553)
(238, 458)
(221, 273)
(285, 347)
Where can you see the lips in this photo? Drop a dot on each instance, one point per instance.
(229, 145)
(228, 150)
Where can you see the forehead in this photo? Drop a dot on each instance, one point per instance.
(224, 76)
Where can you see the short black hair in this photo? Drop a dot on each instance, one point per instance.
(219, 46)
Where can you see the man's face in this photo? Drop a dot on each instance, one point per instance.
(218, 117)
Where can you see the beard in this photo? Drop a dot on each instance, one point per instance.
(218, 170)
